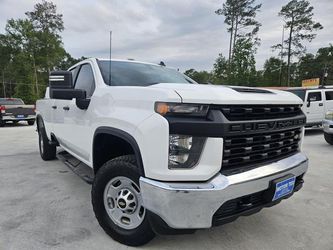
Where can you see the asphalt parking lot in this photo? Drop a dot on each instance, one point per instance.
(43, 205)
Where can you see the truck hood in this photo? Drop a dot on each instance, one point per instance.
(217, 94)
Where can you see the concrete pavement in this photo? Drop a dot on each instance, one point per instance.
(43, 205)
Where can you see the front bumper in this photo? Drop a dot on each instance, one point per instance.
(328, 126)
(192, 205)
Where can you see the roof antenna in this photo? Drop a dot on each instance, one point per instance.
(110, 58)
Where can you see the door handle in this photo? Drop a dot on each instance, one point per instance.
(66, 108)
(54, 107)
(321, 104)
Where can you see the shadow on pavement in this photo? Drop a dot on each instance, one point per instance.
(313, 131)
(18, 124)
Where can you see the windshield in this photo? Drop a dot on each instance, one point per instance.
(5, 101)
(299, 92)
(139, 74)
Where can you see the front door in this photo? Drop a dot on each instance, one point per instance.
(75, 130)
(314, 106)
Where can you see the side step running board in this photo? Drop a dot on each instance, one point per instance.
(85, 172)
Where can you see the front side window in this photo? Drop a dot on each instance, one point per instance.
(314, 96)
(85, 80)
(139, 74)
(74, 72)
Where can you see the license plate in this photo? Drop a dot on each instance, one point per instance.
(284, 188)
(20, 116)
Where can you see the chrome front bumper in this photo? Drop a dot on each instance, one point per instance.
(192, 205)
(328, 126)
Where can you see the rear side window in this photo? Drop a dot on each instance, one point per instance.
(329, 95)
(5, 101)
(314, 96)
(85, 80)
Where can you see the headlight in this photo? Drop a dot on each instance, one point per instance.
(184, 150)
(329, 115)
(198, 110)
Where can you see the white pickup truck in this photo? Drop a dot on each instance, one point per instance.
(169, 155)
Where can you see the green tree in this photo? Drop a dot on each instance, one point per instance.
(68, 61)
(48, 25)
(297, 15)
(240, 18)
(35, 47)
(273, 71)
(199, 76)
(242, 68)
(220, 70)
(5, 55)
(317, 66)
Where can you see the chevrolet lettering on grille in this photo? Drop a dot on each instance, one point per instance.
(264, 126)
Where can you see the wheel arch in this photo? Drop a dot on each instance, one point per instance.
(116, 137)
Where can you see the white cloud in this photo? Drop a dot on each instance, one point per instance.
(184, 33)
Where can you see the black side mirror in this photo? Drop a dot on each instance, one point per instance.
(61, 87)
(61, 80)
(309, 103)
(67, 94)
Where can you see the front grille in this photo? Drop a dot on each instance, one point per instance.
(259, 112)
(249, 150)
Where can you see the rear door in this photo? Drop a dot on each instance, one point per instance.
(329, 99)
(314, 106)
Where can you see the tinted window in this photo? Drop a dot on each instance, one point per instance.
(9, 101)
(74, 73)
(314, 96)
(329, 95)
(85, 80)
(299, 92)
(139, 74)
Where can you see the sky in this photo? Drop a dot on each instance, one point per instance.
(183, 33)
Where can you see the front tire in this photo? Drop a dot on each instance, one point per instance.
(117, 202)
(2, 123)
(329, 138)
(47, 151)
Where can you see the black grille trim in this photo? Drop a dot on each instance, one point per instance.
(258, 112)
(249, 150)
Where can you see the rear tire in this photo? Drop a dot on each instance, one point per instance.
(47, 151)
(117, 202)
(30, 123)
(2, 123)
(329, 138)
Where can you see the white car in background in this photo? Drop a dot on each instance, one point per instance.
(316, 103)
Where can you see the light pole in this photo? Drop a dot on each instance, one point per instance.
(281, 59)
